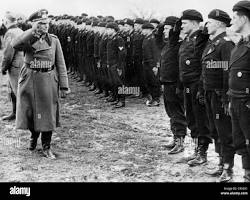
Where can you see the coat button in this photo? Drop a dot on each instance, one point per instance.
(239, 74)
(187, 62)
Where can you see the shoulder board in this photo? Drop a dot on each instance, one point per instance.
(52, 35)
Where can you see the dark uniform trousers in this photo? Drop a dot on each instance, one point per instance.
(117, 80)
(240, 115)
(152, 81)
(220, 127)
(174, 106)
(196, 114)
(45, 138)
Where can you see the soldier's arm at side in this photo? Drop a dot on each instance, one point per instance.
(61, 67)
(225, 55)
(8, 53)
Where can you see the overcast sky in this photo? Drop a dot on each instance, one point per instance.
(118, 8)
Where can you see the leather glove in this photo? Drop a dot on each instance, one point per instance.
(3, 72)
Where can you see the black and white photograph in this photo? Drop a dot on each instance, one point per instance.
(125, 91)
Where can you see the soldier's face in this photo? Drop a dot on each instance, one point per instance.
(212, 26)
(137, 27)
(167, 28)
(187, 26)
(44, 26)
(146, 31)
(127, 27)
(238, 22)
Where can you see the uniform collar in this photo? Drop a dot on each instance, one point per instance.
(12, 26)
(193, 35)
(221, 35)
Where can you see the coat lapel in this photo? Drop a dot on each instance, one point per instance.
(40, 46)
(238, 53)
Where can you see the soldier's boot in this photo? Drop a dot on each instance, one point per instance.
(92, 88)
(111, 99)
(186, 159)
(179, 147)
(120, 104)
(12, 116)
(171, 144)
(80, 79)
(227, 173)
(88, 84)
(33, 140)
(98, 91)
(46, 140)
(218, 171)
(201, 157)
(155, 102)
(106, 94)
(247, 175)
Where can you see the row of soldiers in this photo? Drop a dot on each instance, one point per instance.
(95, 45)
(205, 83)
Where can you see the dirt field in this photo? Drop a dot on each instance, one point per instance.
(98, 144)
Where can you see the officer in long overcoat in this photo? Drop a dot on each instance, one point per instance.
(43, 74)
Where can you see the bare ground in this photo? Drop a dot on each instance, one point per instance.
(98, 144)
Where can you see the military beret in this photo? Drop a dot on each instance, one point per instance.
(243, 6)
(94, 23)
(84, 20)
(154, 21)
(192, 15)
(120, 22)
(102, 24)
(139, 21)
(99, 16)
(147, 25)
(220, 16)
(129, 21)
(10, 16)
(109, 20)
(111, 17)
(171, 20)
(84, 15)
(112, 25)
(88, 22)
(39, 15)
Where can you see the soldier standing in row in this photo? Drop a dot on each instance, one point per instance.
(169, 77)
(190, 71)
(215, 62)
(137, 55)
(151, 65)
(239, 85)
(12, 59)
(116, 54)
(43, 73)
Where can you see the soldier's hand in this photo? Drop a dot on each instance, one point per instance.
(177, 26)
(200, 98)
(226, 108)
(64, 93)
(155, 70)
(98, 64)
(229, 108)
